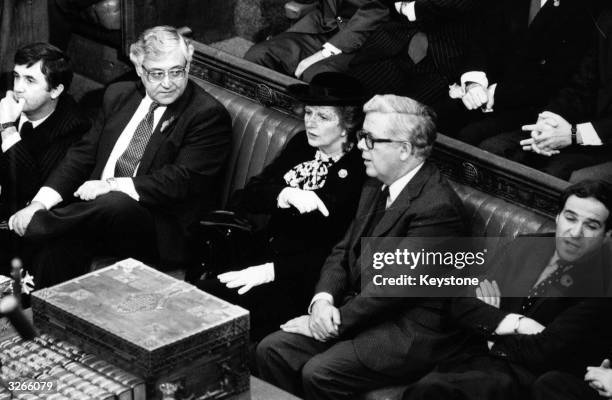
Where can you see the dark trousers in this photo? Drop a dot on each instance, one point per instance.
(478, 378)
(474, 126)
(284, 52)
(68, 237)
(401, 76)
(556, 385)
(316, 370)
(560, 165)
(269, 304)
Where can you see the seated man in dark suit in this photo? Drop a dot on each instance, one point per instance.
(575, 129)
(39, 121)
(138, 181)
(419, 51)
(524, 52)
(352, 341)
(324, 40)
(545, 308)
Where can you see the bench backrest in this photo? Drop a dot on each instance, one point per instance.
(259, 133)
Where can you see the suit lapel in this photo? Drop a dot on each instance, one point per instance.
(403, 200)
(549, 15)
(163, 129)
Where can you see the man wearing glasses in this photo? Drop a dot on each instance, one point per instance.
(353, 339)
(140, 178)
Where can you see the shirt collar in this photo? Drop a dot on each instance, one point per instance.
(396, 187)
(23, 119)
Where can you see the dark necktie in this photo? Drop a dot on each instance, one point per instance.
(378, 211)
(126, 164)
(26, 131)
(534, 8)
(541, 288)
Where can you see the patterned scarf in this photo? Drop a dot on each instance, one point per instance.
(311, 175)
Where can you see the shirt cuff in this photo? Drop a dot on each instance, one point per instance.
(320, 296)
(588, 134)
(10, 140)
(508, 325)
(410, 11)
(476, 77)
(126, 185)
(332, 49)
(48, 197)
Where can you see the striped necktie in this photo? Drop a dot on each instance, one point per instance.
(129, 160)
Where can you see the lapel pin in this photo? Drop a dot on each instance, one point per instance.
(566, 280)
(167, 123)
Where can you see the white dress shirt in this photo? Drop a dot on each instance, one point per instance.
(50, 198)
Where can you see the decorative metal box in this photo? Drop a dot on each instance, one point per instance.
(154, 326)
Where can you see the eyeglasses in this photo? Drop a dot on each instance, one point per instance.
(370, 141)
(158, 75)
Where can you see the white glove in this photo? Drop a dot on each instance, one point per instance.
(304, 201)
(248, 278)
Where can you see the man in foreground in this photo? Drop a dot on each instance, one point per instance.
(352, 341)
(544, 307)
(138, 181)
(39, 121)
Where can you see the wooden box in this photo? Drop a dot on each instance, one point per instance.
(152, 325)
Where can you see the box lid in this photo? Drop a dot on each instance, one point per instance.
(140, 304)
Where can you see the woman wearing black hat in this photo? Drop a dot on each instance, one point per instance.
(311, 192)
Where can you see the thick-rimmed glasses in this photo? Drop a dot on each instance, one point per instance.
(158, 75)
(370, 141)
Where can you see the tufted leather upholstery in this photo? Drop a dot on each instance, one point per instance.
(259, 133)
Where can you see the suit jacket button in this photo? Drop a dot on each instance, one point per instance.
(543, 62)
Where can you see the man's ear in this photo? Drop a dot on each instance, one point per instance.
(57, 91)
(405, 151)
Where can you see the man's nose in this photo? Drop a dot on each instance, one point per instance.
(166, 81)
(18, 85)
(575, 230)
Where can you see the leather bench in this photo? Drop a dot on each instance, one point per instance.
(259, 133)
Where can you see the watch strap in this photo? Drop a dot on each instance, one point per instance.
(6, 125)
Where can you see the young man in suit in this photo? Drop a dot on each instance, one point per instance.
(324, 40)
(575, 129)
(140, 179)
(38, 123)
(353, 341)
(523, 53)
(544, 306)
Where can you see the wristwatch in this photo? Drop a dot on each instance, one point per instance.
(5, 125)
(574, 137)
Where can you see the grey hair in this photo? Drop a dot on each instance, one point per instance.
(158, 41)
(409, 120)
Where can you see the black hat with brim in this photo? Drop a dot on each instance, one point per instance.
(330, 89)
